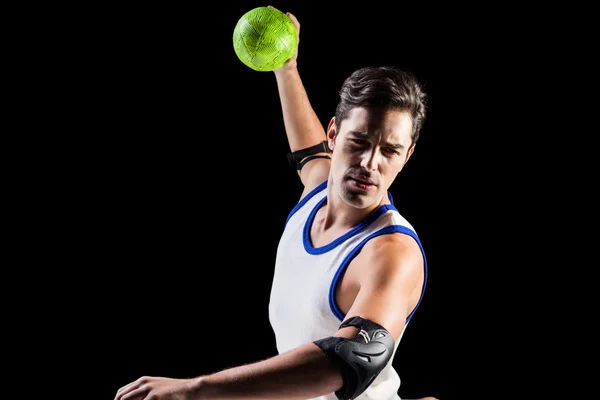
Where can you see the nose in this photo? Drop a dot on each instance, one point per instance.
(370, 159)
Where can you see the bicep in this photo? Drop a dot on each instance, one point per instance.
(314, 172)
(388, 277)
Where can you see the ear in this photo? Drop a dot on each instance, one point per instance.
(410, 152)
(331, 132)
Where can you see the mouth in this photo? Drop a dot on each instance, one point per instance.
(363, 183)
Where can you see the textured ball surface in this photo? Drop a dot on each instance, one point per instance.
(264, 38)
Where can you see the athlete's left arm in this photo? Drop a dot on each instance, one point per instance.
(389, 270)
(391, 267)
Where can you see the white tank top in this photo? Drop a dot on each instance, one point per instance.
(302, 306)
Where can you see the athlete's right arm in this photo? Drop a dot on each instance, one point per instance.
(303, 127)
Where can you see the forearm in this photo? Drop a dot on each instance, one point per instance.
(301, 374)
(303, 127)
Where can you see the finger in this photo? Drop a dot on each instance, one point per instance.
(123, 390)
(128, 388)
(137, 394)
(295, 21)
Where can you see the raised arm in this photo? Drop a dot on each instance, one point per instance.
(302, 126)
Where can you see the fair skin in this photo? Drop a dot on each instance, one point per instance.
(382, 283)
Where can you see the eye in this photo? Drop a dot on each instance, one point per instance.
(358, 142)
(389, 151)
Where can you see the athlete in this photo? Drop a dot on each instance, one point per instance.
(350, 271)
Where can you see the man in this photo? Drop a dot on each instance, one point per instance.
(350, 270)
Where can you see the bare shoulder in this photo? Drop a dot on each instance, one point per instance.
(389, 275)
(393, 255)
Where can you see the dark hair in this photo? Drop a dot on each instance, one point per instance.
(383, 88)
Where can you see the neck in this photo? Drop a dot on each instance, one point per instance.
(340, 215)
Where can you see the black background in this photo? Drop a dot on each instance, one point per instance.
(190, 185)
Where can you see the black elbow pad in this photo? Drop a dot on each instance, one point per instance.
(361, 358)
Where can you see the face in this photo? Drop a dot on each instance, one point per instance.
(369, 151)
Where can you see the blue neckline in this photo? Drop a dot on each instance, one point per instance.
(323, 249)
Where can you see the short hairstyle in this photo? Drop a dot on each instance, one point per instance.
(383, 88)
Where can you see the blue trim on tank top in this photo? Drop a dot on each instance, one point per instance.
(324, 249)
(305, 199)
(384, 231)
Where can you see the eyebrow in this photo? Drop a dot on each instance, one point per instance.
(389, 144)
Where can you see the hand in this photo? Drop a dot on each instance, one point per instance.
(292, 63)
(154, 388)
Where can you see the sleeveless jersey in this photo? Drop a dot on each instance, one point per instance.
(302, 305)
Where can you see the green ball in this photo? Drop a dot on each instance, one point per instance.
(265, 38)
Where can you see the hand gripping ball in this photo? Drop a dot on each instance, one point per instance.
(264, 38)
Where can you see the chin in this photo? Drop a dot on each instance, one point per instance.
(358, 199)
